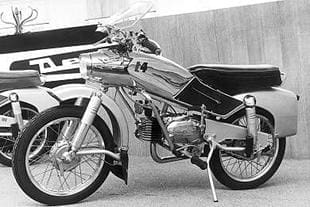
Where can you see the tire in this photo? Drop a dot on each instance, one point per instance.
(38, 188)
(7, 142)
(225, 171)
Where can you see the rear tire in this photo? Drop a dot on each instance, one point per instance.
(226, 170)
(7, 142)
(43, 192)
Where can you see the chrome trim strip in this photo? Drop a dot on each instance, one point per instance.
(116, 156)
(6, 134)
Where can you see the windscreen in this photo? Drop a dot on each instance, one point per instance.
(130, 16)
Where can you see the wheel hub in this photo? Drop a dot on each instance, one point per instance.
(59, 154)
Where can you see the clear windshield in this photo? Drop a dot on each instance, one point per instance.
(129, 17)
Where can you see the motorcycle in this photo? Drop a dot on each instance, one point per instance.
(229, 120)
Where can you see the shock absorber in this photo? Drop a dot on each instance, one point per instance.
(250, 141)
(13, 97)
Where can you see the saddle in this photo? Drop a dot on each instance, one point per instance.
(234, 79)
(19, 79)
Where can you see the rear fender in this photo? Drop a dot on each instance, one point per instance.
(109, 110)
(36, 97)
(281, 104)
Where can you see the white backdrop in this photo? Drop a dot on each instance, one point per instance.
(68, 13)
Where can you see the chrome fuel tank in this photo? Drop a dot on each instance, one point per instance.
(157, 74)
(106, 67)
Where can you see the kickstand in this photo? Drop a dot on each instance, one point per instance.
(212, 148)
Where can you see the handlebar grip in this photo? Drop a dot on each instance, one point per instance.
(152, 46)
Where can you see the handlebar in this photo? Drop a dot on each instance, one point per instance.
(129, 39)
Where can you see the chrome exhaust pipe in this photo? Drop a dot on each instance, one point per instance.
(158, 159)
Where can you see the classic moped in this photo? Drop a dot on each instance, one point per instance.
(231, 120)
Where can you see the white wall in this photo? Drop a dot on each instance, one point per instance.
(67, 13)
(171, 7)
(52, 14)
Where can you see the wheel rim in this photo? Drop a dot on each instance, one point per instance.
(243, 169)
(46, 176)
(7, 142)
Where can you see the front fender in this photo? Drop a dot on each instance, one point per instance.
(109, 109)
(282, 104)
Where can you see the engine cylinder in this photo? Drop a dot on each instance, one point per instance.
(149, 130)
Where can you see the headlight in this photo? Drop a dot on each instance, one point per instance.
(85, 62)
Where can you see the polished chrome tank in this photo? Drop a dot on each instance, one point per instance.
(156, 74)
(106, 67)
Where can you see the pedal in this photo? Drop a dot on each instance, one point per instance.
(200, 163)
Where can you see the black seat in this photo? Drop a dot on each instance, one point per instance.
(19, 79)
(233, 79)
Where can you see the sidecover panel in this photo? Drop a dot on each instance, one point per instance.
(197, 93)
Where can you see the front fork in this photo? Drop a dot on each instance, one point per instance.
(87, 120)
(81, 132)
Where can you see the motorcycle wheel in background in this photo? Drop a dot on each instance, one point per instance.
(7, 142)
(48, 180)
(239, 172)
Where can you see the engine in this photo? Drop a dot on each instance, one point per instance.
(184, 130)
(149, 130)
(181, 129)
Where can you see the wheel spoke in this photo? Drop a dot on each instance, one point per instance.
(242, 168)
(7, 148)
(65, 181)
(49, 177)
(45, 142)
(38, 158)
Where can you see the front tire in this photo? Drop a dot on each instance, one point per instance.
(42, 178)
(238, 172)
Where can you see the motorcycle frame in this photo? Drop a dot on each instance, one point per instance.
(91, 111)
(284, 120)
(212, 127)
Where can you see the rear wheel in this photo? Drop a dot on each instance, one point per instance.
(7, 142)
(237, 171)
(44, 178)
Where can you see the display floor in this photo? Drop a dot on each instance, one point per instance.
(180, 184)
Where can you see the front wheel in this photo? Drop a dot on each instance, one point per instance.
(236, 171)
(46, 179)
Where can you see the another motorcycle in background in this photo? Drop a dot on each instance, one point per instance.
(235, 128)
(13, 113)
(23, 97)
(56, 60)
